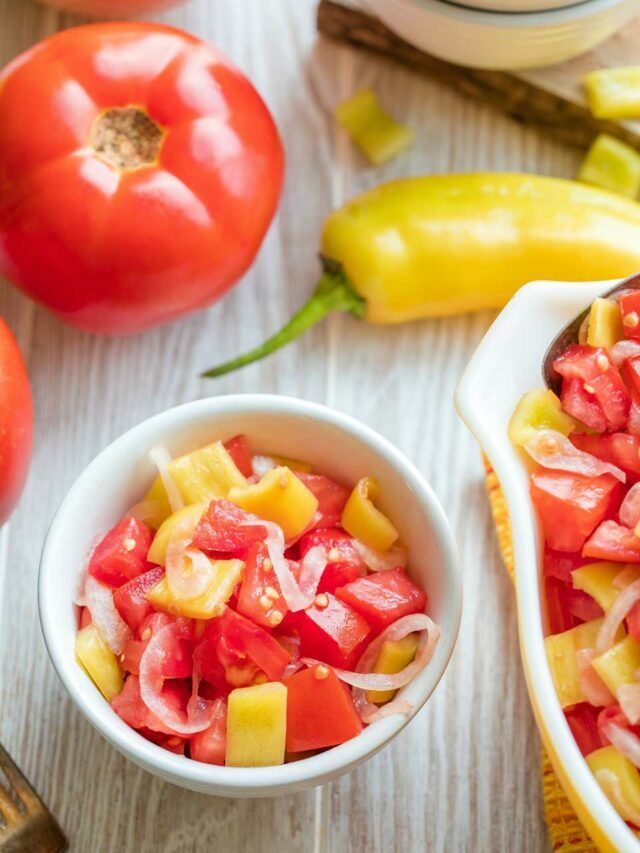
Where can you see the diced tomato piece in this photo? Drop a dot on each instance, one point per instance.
(383, 598)
(255, 583)
(581, 405)
(614, 714)
(630, 370)
(320, 712)
(85, 617)
(129, 706)
(571, 506)
(206, 663)
(334, 634)
(582, 605)
(617, 448)
(604, 386)
(130, 599)
(122, 554)
(239, 452)
(613, 541)
(178, 661)
(331, 497)
(559, 613)
(583, 722)
(338, 572)
(254, 643)
(559, 564)
(224, 528)
(210, 745)
(630, 305)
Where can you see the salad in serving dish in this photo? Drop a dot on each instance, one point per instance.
(585, 486)
(249, 611)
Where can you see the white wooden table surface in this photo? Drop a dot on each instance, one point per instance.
(464, 776)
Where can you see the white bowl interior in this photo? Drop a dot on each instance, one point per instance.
(505, 366)
(335, 445)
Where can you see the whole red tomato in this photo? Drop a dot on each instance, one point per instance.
(111, 8)
(16, 422)
(139, 172)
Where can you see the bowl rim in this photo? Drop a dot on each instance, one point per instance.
(263, 780)
(508, 19)
(568, 299)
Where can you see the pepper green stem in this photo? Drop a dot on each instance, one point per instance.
(334, 292)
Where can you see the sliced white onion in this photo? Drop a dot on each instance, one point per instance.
(624, 741)
(291, 592)
(188, 570)
(312, 567)
(261, 465)
(111, 626)
(382, 561)
(552, 449)
(626, 576)
(630, 507)
(610, 784)
(616, 615)
(622, 350)
(147, 510)
(593, 687)
(161, 458)
(628, 696)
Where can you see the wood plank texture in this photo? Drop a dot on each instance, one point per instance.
(465, 775)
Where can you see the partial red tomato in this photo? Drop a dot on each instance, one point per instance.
(613, 541)
(583, 722)
(571, 506)
(122, 554)
(140, 171)
(16, 420)
(226, 528)
(177, 650)
(614, 714)
(254, 643)
(559, 615)
(331, 497)
(383, 598)
(129, 706)
(239, 452)
(618, 448)
(345, 563)
(630, 369)
(131, 601)
(630, 312)
(581, 405)
(559, 564)
(335, 633)
(210, 746)
(260, 595)
(602, 383)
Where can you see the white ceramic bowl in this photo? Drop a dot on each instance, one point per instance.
(336, 445)
(505, 366)
(504, 40)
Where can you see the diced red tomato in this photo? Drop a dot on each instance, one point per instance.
(559, 564)
(260, 587)
(331, 497)
(581, 405)
(633, 622)
(122, 554)
(334, 634)
(129, 706)
(617, 448)
(178, 654)
(384, 597)
(320, 712)
(614, 714)
(224, 528)
(239, 452)
(604, 386)
(210, 745)
(630, 370)
(570, 506)
(559, 614)
(85, 617)
(613, 541)
(338, 572)
(582, 605)
(254, 643)
(130, 599)
(630, 305)
(583, 722)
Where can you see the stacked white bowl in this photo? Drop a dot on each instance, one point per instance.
(505, 34)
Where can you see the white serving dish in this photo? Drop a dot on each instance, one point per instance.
(505, 366)
(504, 40)
(335, 444)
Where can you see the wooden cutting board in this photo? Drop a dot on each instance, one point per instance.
(550, 98)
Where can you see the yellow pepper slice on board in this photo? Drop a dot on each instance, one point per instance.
(561, 652)
(393, 657)
(225, 575)
(99, 661)
(614, 92)
(605, 323)
(376, 134)
(618, 778)
(619, 665)
(206, 474)
(612, 165)
(363, 520)
(257, 725)
(539, 409)
(280, 497)
(187, 518)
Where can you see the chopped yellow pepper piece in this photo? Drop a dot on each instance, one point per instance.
(596, 579)
(561, 654)
(187, 518)
(605, 324)
(292, 464)
(612, 165)
(614, 92)
(280, 497)
(394, 656)
(257, 725)
(224, 576)
(363, 520)
(619, 665)
(206, 474)
(157, 494)
(373, 130)
(618, 778)
(99, 662)
(538, 410)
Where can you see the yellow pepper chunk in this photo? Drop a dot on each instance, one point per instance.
(618, 778)
(376, 134)
(363, 520)
(561, 652)
(596, 579)
(157, 495)
(619, 665)
(99, 661)
(189, 516)
(614, 92)
(225, 575)
(292, 464)
(206, 474)
(605, 324)
(394, 656)
(257, 725)
(612, 165)
(538, 410)
(280, 497)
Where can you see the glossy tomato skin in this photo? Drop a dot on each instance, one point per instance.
(335, 634)
(224, 529)
(383, 598)
(116, 251)
(122, 553)
(613, 541)
(16, 422)
(210, 746)
(618, 448)
(583, 722)
(331, 496)
(630, 303)
(130, 599)
(239, 452)
(339, 572)
(605, 388)
(256, 581)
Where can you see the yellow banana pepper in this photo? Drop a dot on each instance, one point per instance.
(445, 244)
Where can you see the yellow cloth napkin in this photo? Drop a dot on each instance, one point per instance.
(567, 833)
